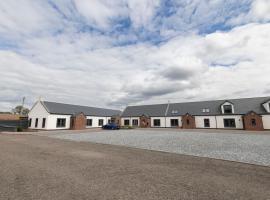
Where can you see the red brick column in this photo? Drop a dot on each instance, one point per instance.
(253, 121)
(79, 122)
(145, 122)
(188, 122)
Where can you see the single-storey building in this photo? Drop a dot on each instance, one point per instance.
(245, 113)
(52, 116)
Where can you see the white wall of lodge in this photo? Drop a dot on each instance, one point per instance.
(164, 121)
(266, 121)
(39, 112)
(95, 121)
(199, 121)
(52, 122)
(161, 124)
(130, 120)
(238, 121)
(215, 121)
(168, 121)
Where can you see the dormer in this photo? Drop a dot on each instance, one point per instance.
(227, 108)
(266, 106)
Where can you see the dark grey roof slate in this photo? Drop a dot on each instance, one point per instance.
(157, 110)
(241, 106)
(68, 109)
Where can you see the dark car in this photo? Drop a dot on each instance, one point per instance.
(111, 126)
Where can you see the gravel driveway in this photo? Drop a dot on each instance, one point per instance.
(253, 149)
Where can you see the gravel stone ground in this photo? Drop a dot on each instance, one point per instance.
(43, 168)
(240, 147)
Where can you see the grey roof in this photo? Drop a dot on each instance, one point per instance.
(241, 106)
(156, 110)
(68, 109)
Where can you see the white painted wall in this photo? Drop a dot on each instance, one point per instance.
(238, 121)
(199, 121)
(130, 120)
(95, 120)
(38, 112)
(162, 121)
(52, 120)
(266, 121)
(168, 121)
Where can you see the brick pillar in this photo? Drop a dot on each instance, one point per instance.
(116, 120)
(253, 122)
(78, 122)
(188, 122)
(145, 122)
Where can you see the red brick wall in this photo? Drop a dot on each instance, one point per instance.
(248, 122)
(191, 124)
(79, 122)
(117, 120)
(145, 122)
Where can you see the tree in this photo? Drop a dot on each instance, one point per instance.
(20, 110)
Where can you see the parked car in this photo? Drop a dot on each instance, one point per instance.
(111, 126)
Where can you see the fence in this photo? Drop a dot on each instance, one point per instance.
(8, 125)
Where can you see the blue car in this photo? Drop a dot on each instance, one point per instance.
(111, 126)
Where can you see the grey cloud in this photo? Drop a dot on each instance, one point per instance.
(140, 93)
(176, 73)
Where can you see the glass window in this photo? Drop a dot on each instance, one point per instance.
(43, 122)
(253, 122)
(100, 122)
(60, 122)
(174, 122)
(89, 122)
(156, 122)
(126, 122)
(206, 123)
(135, 122)
(36, 123)
(30, 122)
(229, 123)
(174, 111)
(227, 109)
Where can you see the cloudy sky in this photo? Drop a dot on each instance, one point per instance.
(124, 52)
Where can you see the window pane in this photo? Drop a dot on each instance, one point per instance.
(174, 122)
(89, 122)
(229, 123)
(227, 109)
(61, 122)
(206, 123)
(135, 122)
(100, 122)
(43, 122)
(156, 122)
(253, 122)
(36, 124)
(126, 122)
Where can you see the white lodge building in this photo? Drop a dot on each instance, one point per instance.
(246, 113)
(52, 116)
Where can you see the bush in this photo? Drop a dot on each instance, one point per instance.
(127, 127)
(19, 129)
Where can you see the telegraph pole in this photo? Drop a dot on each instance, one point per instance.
(22, 105)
